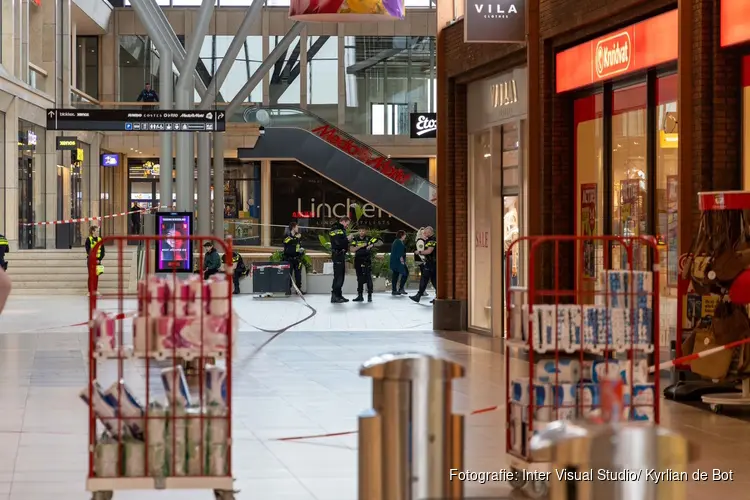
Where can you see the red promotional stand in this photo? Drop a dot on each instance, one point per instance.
(151, 425)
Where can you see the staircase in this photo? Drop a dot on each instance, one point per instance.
(63, 272)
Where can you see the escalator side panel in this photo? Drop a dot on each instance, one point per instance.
(344, 170)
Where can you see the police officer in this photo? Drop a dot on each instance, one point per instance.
(4, 248)
(339, 246)
(429, 273)
(238, 269)
(361, 246)
(293, 253)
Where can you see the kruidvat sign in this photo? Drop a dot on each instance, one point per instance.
(495, 21)
(613, 55)
(423, 125)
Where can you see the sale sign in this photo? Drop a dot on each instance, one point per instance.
(589, 229)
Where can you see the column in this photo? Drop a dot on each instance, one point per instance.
(204, 183)
(265, 30)
(17, 36)
(11, 174)
(219, 142)
(342, 74)
(7, 31)
(265, 203)
(24, 39)
(64, 39)
(74, 62)
(95, 186)
(303, 69)
(51, 160)
(49, 47)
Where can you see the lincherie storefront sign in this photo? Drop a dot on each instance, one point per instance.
(380, 163)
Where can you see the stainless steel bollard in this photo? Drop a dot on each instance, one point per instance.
(410, 439)
(614, 462)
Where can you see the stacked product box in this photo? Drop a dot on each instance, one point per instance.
(565, 389)
(180, 438)
(192, 314)
(629, 297)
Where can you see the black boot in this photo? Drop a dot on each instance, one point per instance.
(402, 292)
(334, 298)
(237, 291)
(343, 299)
(369, 297)
(416, 297)
(359, 298)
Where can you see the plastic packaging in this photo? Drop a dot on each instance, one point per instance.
(106, 457)
(196, 442)
(215, 385)
(104, 411)
(565, 370)
(176, 386)
(176, 441)
(134, 458)
(157, 440)
(119, 396)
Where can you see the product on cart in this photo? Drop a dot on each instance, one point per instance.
(217, 440)
(104, 332)
(133, 457)
(176, 387)
(157, 441)
(104, 412)
(196, 447)
(121, 398)
(107, 457)
(215, 385)
(177, 441)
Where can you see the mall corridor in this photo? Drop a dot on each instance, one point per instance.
(304, 383)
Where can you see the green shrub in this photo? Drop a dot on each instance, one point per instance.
(278, 256)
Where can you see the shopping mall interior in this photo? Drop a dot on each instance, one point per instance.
(569, 156)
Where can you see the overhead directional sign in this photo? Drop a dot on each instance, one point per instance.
(124, 120)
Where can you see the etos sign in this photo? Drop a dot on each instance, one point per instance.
(635, 48)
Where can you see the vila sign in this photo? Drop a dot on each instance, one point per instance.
(499, 21)
(640, 46)
(423, 125)
(362, 153)
(504, 94)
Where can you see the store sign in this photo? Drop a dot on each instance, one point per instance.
(423, 125)
(635, 48)
(63, 143)
(613, 55)
(735, 22)
(380, 163)
(498, 21)
(30, 138)
(319, 210)
(110, 160)
(504, 93)
(482, 239)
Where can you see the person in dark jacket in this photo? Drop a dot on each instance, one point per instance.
(419, 259)
(148, 95)
(4, 248)
(91, 242)
(339, 246)
(238, 269)
(429, 274)
(398, 264)
(211, 261)
(135, 218)
(293, 254)
(362, 246)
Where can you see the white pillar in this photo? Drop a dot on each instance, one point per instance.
(51, 160)
(11, 174)
(7, 34)
(24, 39)
(303, 98)
(265, 202)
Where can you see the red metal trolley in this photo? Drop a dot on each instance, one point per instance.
(592, 320)
(151, 426)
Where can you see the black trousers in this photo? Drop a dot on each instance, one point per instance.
(429, 275)
(394, 280)
(236, 279)
(209, 272)
(339, 271)
(136, 227)
(295, 271)
(363, 267)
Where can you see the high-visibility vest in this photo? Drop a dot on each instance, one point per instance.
(92, 242)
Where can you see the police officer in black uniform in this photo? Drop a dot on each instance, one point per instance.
(339, 246)
(429, 273)
(293, 253)
(4, 248)
(238, 269)
(362, 246)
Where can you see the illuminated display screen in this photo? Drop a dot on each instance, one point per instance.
(172, 253)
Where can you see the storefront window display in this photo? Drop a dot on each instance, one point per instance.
(315, 203)
(31, 184)
(110, 199)
(480, 221)
(242, 203)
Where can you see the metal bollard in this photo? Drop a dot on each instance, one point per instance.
(614, 462)
(410, 439)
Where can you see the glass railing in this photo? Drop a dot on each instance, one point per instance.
(78, 100)
(294, 117)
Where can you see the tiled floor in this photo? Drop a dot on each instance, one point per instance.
(305, 382)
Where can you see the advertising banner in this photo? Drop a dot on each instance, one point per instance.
(64, 143)
(589, 229)
(423, 125)
(173, 253)
(672, 228)
(629, 218)
(341, 11)
(495, 21)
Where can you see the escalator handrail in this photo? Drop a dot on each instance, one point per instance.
(338, 129)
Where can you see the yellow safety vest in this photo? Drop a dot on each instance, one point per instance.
(92, 242)
(3, 241)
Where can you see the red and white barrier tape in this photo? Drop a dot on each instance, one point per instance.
(87, 219)
(684, 360)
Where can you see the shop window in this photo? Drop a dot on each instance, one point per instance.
(242, 202)
(322, 77)
(87, 65)
(629, 173)
(284, 77)
(31, 185)
(588, 148)
(480, 223)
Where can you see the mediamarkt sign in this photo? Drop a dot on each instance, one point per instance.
(613, 55)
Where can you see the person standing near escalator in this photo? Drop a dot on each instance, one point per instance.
(362, 246)
(293, 254)
(429, 273)
(339, 246)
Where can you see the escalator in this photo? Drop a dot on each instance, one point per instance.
(297, 134)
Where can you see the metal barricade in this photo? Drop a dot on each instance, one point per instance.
(614, 461)
(410, 440)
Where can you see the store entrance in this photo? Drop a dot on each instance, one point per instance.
(25, 202)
